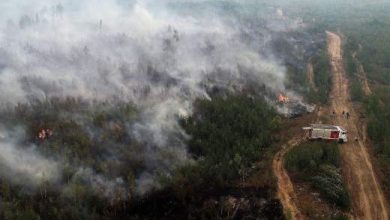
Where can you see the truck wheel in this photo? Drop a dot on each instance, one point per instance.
(341, 141)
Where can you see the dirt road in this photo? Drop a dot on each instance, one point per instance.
(368, 201)
(286, 192)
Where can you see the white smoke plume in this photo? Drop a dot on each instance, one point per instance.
(138, 51)
(23, 164)
(105, 188)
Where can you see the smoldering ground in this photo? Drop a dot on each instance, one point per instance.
(158, 56)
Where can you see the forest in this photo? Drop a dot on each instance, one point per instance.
(230, 138)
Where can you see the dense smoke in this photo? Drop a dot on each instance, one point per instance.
(22, 164)
(156, 55)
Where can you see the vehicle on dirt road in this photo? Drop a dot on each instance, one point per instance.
(326, 132)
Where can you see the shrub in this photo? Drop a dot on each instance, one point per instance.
(309, 156)
(329, 183)
(318, 163)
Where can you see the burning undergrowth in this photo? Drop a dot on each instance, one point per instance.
(131, 73)
(291, 105)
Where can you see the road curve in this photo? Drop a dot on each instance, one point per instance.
(286, 192)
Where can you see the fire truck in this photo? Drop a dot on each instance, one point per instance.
(326, 132)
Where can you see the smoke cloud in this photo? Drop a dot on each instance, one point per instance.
(159, 56)
(23, 164)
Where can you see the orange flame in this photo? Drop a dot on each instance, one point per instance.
(283, 99)
(45, 134)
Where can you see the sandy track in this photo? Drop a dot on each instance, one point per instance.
(368, 201)
(286, 192)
